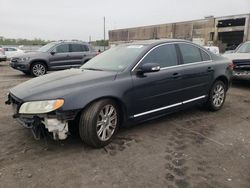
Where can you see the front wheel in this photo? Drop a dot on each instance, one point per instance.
(217, 96)
(38, 69)
(99, 123)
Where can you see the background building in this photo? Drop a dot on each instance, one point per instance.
(224, 32)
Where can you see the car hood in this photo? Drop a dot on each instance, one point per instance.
(60, 84)
(234, 56)
(29, 54)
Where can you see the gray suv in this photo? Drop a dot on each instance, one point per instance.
(54, 56)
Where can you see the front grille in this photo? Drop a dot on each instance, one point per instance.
(14, 60)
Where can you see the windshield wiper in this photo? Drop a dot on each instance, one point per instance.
(94, 69)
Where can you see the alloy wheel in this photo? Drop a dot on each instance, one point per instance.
(106, 123)
(218, 95)
(38, 69)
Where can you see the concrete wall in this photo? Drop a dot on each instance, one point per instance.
(248, 36)
(181, 30)
(204, 30)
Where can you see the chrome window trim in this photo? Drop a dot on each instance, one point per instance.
(183, 65)
(169, 106)
(174, 66)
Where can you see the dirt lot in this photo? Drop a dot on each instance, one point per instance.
(193, 148)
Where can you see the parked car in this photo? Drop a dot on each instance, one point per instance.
(128, 83)
(2, 54)
(241, 61)
(54, 56)
(229, 52)
(213, 49)
(12, 51)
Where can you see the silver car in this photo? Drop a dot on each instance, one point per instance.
(2, 54)
(54, 56)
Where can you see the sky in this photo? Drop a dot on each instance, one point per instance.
(80, 19)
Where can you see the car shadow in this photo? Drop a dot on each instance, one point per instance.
(126, 134)
(243, 84)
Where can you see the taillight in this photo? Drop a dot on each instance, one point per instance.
(231, 66)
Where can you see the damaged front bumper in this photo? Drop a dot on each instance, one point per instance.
(56, 122)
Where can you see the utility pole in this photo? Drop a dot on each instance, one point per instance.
(104, 31)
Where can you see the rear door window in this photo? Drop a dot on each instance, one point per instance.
(85, 47)
(12, 49)
(63, 48)
(165, 56)
(77, 48)
(190, 53)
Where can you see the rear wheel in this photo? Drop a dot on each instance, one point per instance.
(217, 96)
(38, 69)
(99, 123)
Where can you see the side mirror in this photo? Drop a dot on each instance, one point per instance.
(52, 52)
(149, 67)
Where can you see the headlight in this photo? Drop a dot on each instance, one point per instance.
(40, 107)
(23, 59)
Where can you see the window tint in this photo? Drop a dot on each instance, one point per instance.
(63, 48)
(244, 48)
(190, 53)
(205, 56)
(11, 49)
(165, 56)
(85, 48)
(77, 48)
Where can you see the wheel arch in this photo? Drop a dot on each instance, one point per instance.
(120, 104)
(40, 61)
(224, 79)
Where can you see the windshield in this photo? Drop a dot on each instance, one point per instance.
(46, 47)
(115, 59)
(244, 48)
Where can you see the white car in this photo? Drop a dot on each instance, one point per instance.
(241, 61)
(2, 54)
(213, 49)
(12, 51)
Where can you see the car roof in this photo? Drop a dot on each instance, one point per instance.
(155, 42)
(71, 41)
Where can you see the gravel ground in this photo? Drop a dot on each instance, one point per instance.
(192, 148)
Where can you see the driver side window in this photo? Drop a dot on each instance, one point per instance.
(164, 55)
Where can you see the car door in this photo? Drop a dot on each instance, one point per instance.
(60, 57)
(78, 54)
(197, 71)
(161, 90)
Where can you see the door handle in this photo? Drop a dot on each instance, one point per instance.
(176, 75)
(210, 69)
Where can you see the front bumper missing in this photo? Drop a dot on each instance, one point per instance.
(56, 123)
(58, 128)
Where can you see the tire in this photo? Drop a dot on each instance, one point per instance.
(96, 126)
(217, 96)
(38, 69)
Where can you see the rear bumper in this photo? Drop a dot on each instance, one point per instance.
(241, 74)
(3, 58)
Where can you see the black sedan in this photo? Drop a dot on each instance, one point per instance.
(128, 83)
